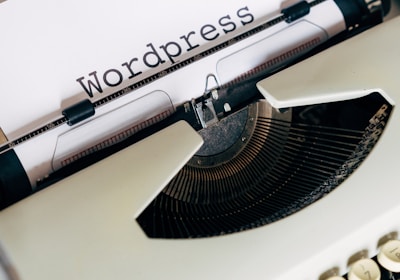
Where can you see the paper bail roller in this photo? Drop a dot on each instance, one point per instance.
(79, 112)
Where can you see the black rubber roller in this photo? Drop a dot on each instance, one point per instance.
(356, 11)
(79, 112)
(14, 183)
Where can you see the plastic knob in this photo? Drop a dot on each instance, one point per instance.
(389, 255)
(364, 269)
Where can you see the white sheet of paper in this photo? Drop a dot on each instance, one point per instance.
(55, 54)
(46, 46)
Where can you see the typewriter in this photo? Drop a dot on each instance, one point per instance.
(279, 169)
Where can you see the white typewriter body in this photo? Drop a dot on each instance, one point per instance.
(84, 226)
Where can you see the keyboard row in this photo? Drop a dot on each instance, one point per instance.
(384, 266)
